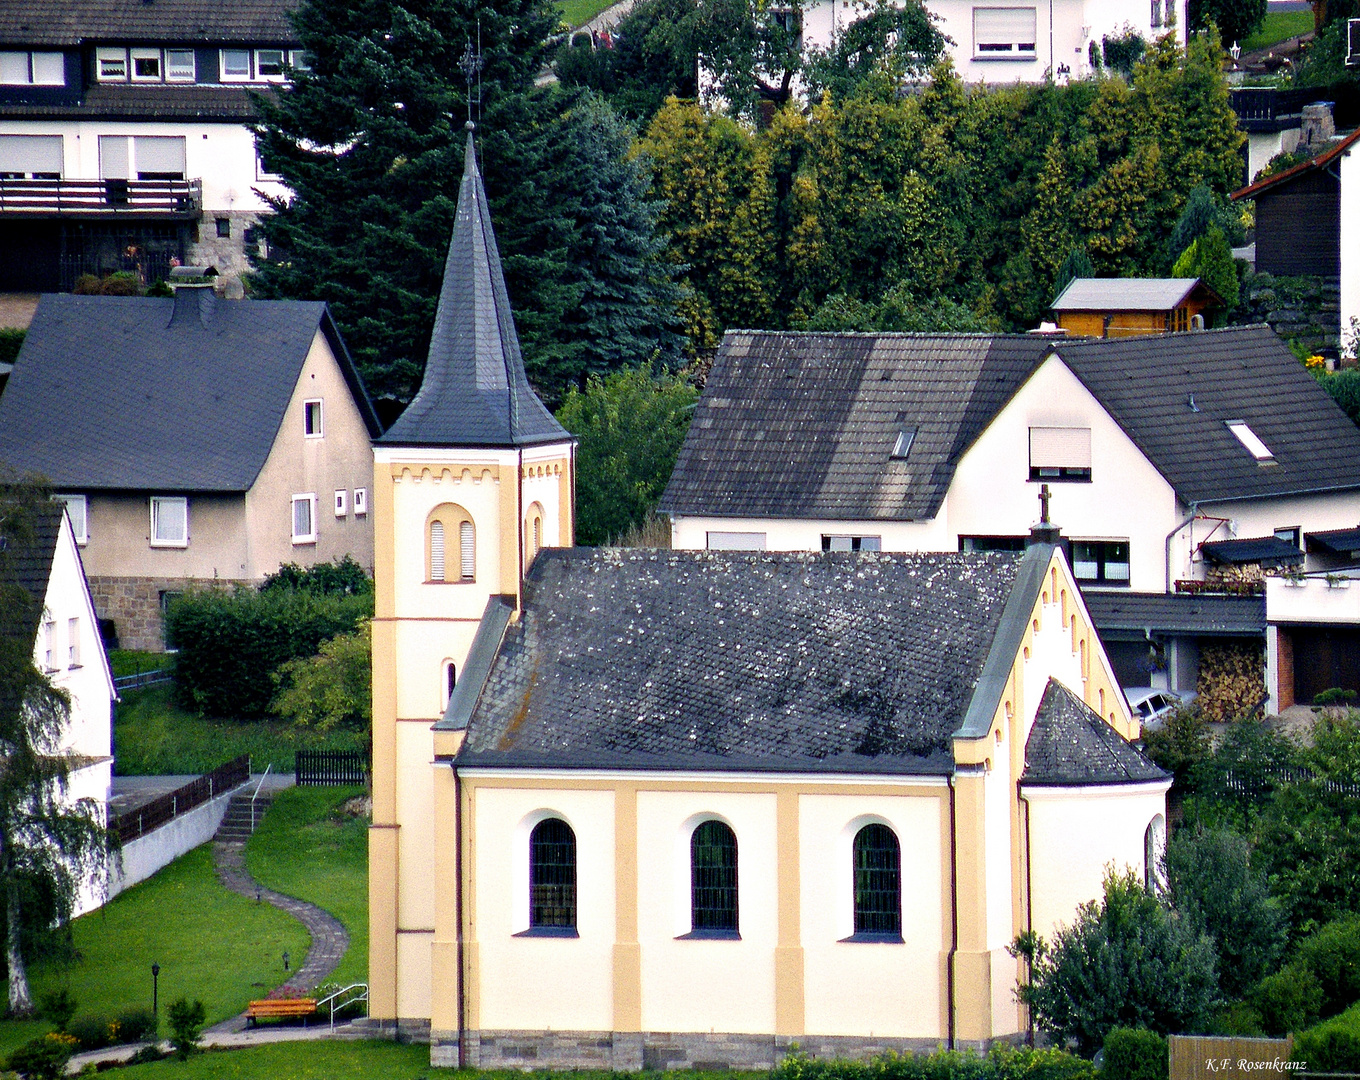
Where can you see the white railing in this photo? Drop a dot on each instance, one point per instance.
(263, 778)
(342, 997)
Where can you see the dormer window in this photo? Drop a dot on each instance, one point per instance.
(1248, 438)
(179, 65)
(902, 447)
(32, 69)
(269, 64)
(235, 65)
(146, 65)
(112, 64)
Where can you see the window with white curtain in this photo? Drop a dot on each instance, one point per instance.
(304, 519)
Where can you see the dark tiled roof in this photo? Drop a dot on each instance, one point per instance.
(1266, 550)
(72, 22)
(28, 565)
(1070, 745)
(1176, 613)
(156, 102)
(474, 392)
(804, 425)
(1323, 160)
(793, 661)
(1237, 373)
(1339, 541)
(112, 393)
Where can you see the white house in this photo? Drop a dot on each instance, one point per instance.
(1163, 456)
(67, 648)
(123, 135)
(1006, 42)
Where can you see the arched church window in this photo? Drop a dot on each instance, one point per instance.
(552, 875)
(713, 880)
(1154, 850)
(878, 882)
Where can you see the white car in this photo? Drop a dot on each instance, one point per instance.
(1152, 705)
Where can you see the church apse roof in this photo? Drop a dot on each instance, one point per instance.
(718, 660)
(475, 391)
(1071, 746)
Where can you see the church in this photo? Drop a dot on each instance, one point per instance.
(654, 809)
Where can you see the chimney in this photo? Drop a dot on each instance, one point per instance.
(194, 301)
(1317, 127)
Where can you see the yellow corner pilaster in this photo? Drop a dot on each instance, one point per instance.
(627, 951)
(382, 922)
(789, 999)
(444, 955)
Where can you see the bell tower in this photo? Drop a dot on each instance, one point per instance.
(473, 478)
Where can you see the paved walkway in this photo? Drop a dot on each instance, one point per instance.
(329, 939)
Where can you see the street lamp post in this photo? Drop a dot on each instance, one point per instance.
(155, 989)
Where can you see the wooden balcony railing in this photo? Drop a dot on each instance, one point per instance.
(179, 199)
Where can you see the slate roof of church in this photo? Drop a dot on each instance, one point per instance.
(134, 394)
(1070, 745)
(29, 566)
(177, 22)
(474, 391)
(788, 661)
(798, 425)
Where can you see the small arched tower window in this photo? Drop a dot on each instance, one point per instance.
(450, 680)
(444, 523)
(878, 882)
(552, 875)
(713, 880)
(533, 532)
(1154, 850)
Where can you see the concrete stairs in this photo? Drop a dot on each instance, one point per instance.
(236, 826)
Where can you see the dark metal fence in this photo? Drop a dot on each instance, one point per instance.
(143, 679)
(142, 820)
(330, 767)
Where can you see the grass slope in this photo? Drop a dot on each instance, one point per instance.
(153, 736)
(211, 944)
(298, 1061)
(1278, 26)
(307, 848)
(579, 12)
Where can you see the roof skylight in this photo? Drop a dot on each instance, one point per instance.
(1248, 438)
(905, 437)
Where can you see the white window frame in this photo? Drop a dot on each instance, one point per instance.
(297, 59)
(1252, 442)
(341, 503)
(49, 643)
(283, 65)
(73, 642)
(60, 80)
(80, 530)
(1013, 50)
(236, 76)
(185, 75)
(360, 502)
(19, 59)
(146, 54)
(320, 427)
(303, 538)
(158, 501)
(108, 54)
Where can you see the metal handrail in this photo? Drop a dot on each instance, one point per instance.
(263, 778)
(335, 1006)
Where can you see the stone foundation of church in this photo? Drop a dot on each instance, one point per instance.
(630, 1051)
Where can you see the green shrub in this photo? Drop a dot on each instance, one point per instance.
(1289, 1000)
(1335, 696)
(1002, 1062)
(1332, 1046)
(58, 1007)
(136, 1025)
(44, 1058)
(332, 689)
(1135, 1054)
(342, 577)
(1333, 955)
(90, 1032)
(230, 642)
(186, 1024)
(11, 339)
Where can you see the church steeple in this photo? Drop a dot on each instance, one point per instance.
(475, 391)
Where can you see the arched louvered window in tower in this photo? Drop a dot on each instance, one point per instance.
(467, 544)
(538, 534)
(713, 880)
(436, 551)
(552, 875)
(878, 882)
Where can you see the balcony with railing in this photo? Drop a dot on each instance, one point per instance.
(178, 200)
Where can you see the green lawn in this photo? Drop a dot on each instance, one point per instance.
(299, 1061)
(131, 662)
(1278, 26)
(153, 736)
(211, 944)
(579, 12)
(306, 847)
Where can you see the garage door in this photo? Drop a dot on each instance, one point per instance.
(1324, 657)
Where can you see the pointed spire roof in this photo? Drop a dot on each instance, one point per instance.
(475, 391)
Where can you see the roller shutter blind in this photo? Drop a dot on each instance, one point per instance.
(28, 154)
(162, 155)
(1059, 448)
(1004, 31)
(114, 163)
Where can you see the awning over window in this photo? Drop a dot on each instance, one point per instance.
(1266, 550)
(1335, 542)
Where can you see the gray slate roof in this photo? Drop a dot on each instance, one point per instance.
(1237, 373)
(1124, 294)
(113, 393)
(1117, 613)
(105, 100)
(1071, 745)
(29, 566)
(71, 22)
(803, 425)
(791, 661)
(474, 391)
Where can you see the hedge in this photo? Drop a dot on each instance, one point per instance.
(1000, 1063)
(1135, 1054)
(230, 642)
(1333, 1046)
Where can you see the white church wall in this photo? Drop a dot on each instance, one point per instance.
(859, 988)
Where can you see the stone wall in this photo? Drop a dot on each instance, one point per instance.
(1304, 309)
(226, 253)
(653, 1051)
(134, 605)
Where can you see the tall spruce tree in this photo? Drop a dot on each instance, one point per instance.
(369, 141)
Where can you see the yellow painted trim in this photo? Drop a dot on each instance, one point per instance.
(627, 951)
(382, 922)
(446, 744)
(789, 992)
(566, 484)
(472, 974)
